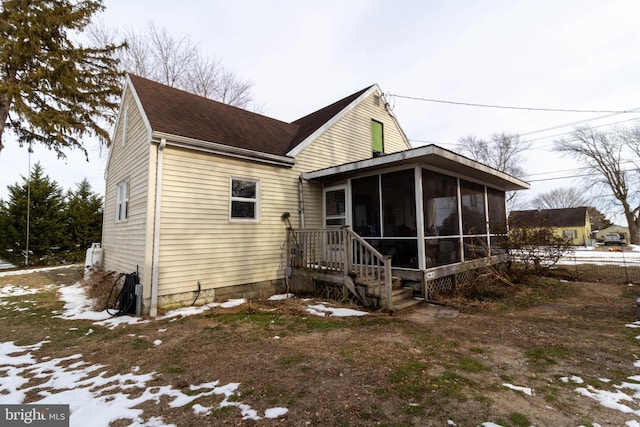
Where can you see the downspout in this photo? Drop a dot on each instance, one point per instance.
(153, 311)
(300, 202)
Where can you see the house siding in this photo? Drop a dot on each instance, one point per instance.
(583, 232)
(346, 141)
(124, 243)
(198, 241)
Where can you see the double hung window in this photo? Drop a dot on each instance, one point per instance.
(122, 201)
(245, 195)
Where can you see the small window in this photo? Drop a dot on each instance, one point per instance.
(244, 199)
(125, 116)
(122, 201)
(377, 138)
(569, 234)
(376, 100)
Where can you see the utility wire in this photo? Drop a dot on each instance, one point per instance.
(509, 107)
(544, 130)
(634, 110)
(570, 176)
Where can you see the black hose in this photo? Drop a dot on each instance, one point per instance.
(125, 302)
(197, 293)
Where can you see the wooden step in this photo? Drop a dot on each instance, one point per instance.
(403, 299)
(406, 305)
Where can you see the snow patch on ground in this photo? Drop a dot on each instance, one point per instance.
(98, 399)
(322, 309)
(33, 270)
(280, 297)
(525, 390)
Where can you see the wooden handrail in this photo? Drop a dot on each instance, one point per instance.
(342, 251)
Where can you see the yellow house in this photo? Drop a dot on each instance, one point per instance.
(196, 192)
(571, 223)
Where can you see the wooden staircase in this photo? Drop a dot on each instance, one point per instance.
(342, 257)
(402, 298)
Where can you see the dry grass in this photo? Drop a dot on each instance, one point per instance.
(405, 370)
(102, 288)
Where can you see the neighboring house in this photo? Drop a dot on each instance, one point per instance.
(196, 192)
(571, 223)
(619, 229)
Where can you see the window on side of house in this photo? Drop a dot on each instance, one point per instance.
(122, 201)
(125, 116)
(377, 138)
(245, 194)
(569, 234)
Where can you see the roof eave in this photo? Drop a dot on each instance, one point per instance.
(223, 150)
(428, 155)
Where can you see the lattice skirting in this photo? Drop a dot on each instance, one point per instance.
(450, 283)
(465, 278)
(333, 291)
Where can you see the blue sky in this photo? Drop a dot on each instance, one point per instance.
(302, 56)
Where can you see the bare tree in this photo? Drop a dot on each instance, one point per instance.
(612, 159)
(178, 62)
(502, 151)
(560, 198)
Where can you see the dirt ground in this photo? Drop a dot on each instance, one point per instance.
(429, 367)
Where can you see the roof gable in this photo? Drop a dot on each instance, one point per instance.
(566, 217)
(175, 112)
(313, 122)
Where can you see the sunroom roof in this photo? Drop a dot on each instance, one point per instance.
(427, 156)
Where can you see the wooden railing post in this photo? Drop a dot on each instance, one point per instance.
(388, 282)
(347, 249)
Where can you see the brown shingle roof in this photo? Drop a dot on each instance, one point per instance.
(311, 122)
(567, 217)
(177, 112)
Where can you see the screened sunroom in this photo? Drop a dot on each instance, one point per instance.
(426, 208)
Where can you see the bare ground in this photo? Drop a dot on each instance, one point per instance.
(423, 368)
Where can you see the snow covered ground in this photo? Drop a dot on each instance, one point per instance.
(97, 398)
(4, 264)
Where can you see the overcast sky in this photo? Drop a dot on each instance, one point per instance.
(303, 55)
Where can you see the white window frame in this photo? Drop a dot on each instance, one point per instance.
(125, 116)
(122, 201)
(347, 207)
(255, 200)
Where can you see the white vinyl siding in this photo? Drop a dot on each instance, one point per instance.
(125, 243)
(346, 141)
(198, 242)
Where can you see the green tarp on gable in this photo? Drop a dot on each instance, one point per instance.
(376, 137)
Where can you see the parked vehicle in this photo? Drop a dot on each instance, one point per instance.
(614, 239)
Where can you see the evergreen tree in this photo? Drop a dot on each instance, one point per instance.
(598, 220)
(52, 90)
(46, 223)
(84, 220)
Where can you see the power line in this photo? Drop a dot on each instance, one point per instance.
(559, 177)
(570, 176)
(543, 130)
(636, 110)
(510, 107)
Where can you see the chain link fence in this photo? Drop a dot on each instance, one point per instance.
(602, 264)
